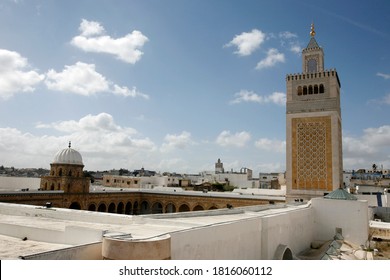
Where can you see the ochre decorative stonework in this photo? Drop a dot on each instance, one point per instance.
(311, 153)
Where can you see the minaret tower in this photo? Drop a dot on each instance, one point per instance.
(314, 163)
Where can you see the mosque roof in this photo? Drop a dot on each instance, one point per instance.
(68, 156)
(340, 194)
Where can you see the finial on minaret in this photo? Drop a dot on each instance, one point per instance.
(312, 31)
(70, 144)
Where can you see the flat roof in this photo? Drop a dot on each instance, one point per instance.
(58, 222)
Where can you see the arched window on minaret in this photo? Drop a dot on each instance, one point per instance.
(310, 89)
(299, 90)
(322, 90)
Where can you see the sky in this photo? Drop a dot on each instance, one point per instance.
(174, 85)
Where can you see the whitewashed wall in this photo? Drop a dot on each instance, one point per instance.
(349, 215)
(294, 229)
(235, 241)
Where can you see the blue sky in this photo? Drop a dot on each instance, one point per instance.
(175, 85)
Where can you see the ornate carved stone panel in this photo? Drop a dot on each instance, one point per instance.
(312, 153)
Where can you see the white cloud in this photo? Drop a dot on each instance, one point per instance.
(278, 98)
(83, 79)
(239, 139)
(385, 76)
(125, 91)
(291, 40)
(372, 147)
(287, 35)
(177, 141)
(92, 39)
(271, 145)
(80, 78)
(247, 42)
(273, 57)
(90, 28)
(15, 76)
(100, 140)
(295, 47)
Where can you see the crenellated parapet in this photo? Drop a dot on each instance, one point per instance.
(313, 75)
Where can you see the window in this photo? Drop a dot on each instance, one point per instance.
(310, 89)
(305, 90)
(299, 90)
(322, 90)
(315, 89)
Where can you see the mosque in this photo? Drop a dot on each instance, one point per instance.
(318, 219)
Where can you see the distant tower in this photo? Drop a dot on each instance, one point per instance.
(314, 163)
(66, 173)
(219, 167)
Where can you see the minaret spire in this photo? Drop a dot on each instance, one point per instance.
(312, 31)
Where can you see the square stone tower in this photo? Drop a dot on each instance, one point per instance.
(314, 161)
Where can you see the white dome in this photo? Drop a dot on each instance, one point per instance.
(68, 156)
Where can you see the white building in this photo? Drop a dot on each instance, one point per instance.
(248, 233)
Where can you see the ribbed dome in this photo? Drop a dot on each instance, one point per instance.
(68, 156)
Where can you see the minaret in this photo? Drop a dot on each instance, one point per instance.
(219, 167)
(314, 164)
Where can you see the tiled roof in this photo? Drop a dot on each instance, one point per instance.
(340, 194)
(312, 44)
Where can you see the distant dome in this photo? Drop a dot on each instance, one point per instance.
(68, 156)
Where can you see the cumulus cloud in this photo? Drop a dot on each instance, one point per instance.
(273, 57)
(239, 139)
(82, 78)
(15, 75)
(92, 38)
(373, 146)
(278, 98)
(247, 42)
(271, 145)
(177, 141)
(101, 141)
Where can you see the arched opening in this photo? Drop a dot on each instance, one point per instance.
(184, 208)
(136, 208)
(45, 185)
(213, 207)
(299, 90)
(92, 207)
(70, 173)
(120, 208)
(305, 90)
(310, 89)
(157, 208)
(283, 253)
(170, 208)
(198, 208)
(58, 186)
(322, 89)
(75, 205)
(145, 208)
(111, 207)
(315, 89)
(52, 187)
(102, 207)
(60, 172)
(128, 208)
